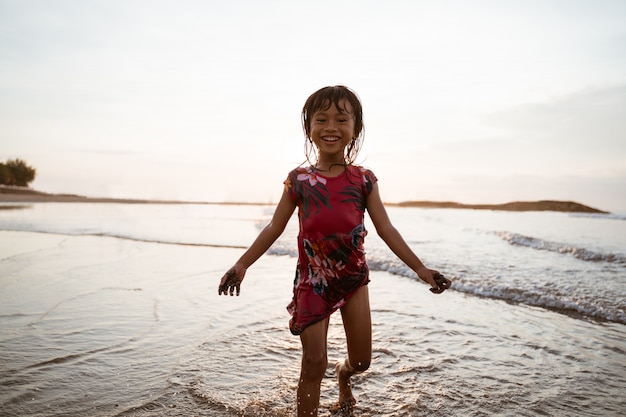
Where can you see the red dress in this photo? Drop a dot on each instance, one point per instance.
(331, 259)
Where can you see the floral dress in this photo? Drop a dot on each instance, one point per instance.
(331, 259)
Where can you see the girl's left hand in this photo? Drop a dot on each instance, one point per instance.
(438, 282)
(442, 282)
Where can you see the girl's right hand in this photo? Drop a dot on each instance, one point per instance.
(231, 281)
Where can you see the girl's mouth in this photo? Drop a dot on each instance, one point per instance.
(330, 138)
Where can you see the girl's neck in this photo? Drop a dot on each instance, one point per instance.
(330, 168)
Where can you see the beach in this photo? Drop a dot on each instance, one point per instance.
(112, 310)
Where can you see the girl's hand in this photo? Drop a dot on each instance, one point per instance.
(231, 281)
(442, 282)
(438, 282)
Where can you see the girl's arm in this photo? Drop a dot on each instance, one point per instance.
(231, 281)
(394, 240)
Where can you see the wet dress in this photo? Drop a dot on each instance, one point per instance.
(331, 259)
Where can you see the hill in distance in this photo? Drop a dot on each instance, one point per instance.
(27, 195)
(541, 205)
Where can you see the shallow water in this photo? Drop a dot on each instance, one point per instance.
(115, 326)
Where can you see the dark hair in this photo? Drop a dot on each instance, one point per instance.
(322, 99)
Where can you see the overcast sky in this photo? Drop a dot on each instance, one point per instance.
(469, 101)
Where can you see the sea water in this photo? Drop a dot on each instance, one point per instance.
(572, 263)
(111, 309)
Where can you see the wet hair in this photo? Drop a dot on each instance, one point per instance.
(321, 100)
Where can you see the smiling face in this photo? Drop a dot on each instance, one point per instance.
(340, 106)
(332, 129)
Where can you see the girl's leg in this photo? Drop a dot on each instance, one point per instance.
(357, 323)
(314, 364)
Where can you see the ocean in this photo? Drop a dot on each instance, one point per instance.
(112, 310)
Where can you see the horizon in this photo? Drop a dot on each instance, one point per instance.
(405, 203)
(482, 104)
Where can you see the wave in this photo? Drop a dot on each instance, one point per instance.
(569, 304)
(579, 308)
(127, 237)
(563, 303)
(167, 242)
(557, 247)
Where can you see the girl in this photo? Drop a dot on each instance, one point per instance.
(332, 195)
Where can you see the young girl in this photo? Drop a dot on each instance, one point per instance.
(332, 195)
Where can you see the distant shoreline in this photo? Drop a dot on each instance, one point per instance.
(27, 195)
(541, 205)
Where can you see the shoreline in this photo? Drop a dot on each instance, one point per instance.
(27, 195)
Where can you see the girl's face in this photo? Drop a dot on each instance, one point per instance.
(333, 129)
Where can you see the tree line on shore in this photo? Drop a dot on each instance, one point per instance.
(16, 172)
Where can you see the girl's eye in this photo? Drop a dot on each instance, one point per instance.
(320, 120)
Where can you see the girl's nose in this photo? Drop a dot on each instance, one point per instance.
(331, 126)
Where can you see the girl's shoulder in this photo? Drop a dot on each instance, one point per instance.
(301, 169)
(361, 171)
(361, 175)
(301, 173)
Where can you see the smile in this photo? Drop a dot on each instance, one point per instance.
(330, 138)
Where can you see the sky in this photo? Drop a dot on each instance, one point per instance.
(470, 101)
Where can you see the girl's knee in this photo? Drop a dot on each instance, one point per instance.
(314, 366)
(360, 365)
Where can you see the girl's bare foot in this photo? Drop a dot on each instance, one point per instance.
(346, 399)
